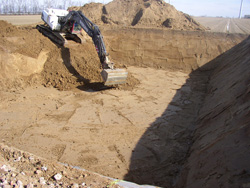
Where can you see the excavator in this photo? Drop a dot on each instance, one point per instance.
(62, 25)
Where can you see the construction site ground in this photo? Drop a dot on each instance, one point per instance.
(53, 105)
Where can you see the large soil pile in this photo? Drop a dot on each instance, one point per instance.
(21, 54)
(142, 13)
(27, 57)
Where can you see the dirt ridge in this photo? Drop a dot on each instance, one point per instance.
(139, 13)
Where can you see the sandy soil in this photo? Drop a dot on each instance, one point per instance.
(94, 130)
(23, 169)
(54, 105)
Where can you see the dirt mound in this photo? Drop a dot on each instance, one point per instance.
(142, 13)
(68, 68)
(27, 57)
(23, 53)
(93, 11)
(6, 27)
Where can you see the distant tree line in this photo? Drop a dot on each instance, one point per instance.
(35, 6)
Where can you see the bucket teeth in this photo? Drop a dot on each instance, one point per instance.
(114, 76)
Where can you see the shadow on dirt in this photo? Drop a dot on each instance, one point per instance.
(94, 87)
(161, 152)
(87, 86)
(65, 52)
(163, 149)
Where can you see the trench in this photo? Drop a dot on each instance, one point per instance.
(145, 134)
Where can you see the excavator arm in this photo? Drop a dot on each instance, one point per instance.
(92, 30)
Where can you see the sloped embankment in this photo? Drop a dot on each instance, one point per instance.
(220, 153)
(164, 49)
(204, 130)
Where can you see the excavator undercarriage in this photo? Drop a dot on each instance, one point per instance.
(53, 36)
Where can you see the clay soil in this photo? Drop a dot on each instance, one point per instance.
(54, 105)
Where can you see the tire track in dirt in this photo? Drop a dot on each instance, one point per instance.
(221, 24)
(242, 27)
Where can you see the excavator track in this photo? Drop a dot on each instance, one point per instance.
(53, 36)
(73, 37)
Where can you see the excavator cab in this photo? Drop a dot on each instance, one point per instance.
(76, 28)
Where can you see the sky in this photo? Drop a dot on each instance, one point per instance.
(225, 8)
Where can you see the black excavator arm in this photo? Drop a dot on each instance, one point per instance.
(90, 28)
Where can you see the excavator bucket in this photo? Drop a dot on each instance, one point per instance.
(114, 76)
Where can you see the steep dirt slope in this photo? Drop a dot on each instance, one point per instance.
(23, 52)
(217, 114)
(27, 56)
(220, 153)
(142, 13)
(164, 49)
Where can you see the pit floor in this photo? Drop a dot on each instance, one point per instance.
(103, 131)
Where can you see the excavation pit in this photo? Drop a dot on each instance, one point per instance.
(142, 131)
